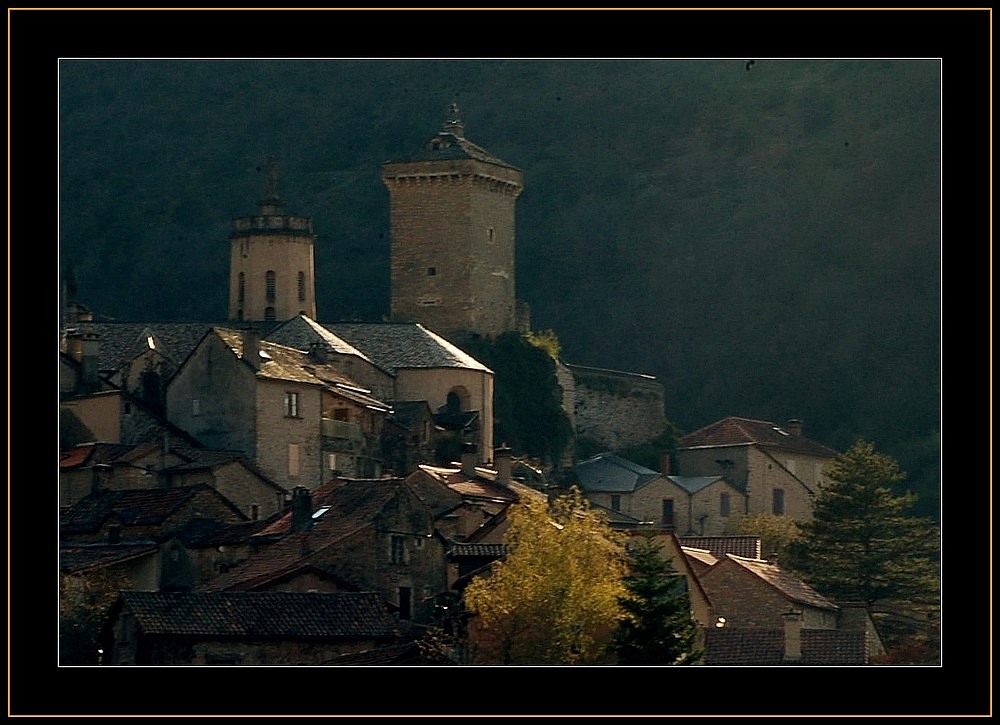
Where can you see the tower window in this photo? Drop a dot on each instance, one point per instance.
(269, 285)
(490, 234)
(269, 314)
(431, 271)
(242, 288)
(302, 286)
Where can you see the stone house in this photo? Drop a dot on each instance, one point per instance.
(684, 504)
(245, 628)
(296, 418)
(774, 467)
(371, 534)
(89, 467)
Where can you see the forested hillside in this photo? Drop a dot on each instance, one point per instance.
(765, 239)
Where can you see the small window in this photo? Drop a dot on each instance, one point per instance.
(616, 503)
(398, 553)
(195, 406)
(254, 512)
(291, 405)
(270, 284)
(293, 459)
(331, 461)
(432, 271)
(241, 294)
(778, 501)
(490, 234)
(405, 598)
(668, 513)
(723, 504)
(302, 286)
(269, 314)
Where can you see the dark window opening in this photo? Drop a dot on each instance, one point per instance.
(778, 501)
(302, 286)
(269, 286)
(668, 513)
(431, 271)
(404, 603)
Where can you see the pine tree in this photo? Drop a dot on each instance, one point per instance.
(862, 546)
(658, 628)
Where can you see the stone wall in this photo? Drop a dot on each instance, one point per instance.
(616, 409)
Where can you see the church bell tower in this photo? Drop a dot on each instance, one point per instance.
(271, 273)
(451, 220)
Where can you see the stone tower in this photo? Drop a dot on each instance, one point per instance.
(271, 273)
(451, 220)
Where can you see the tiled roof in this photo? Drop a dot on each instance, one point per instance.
(454, 147)
(479, 487)
(119, 340)
(735, 431)
(746, 546)
(395, 345)
(702, 555)
(734, 646)
(693, 484)
(90, 453)
(494, 551)
(80, 557)
(789, 585)
(136, 507)
(287, 363)
(301, 332)
(261, 614)
(607, 472)
(344, 507)
(389, 655)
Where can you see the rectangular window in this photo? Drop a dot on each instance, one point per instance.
(331, 461)
(668, 513)
(404, 602)
(293, 459)
(340, 414)
(195, 406)
(778, 501)
(723, 504)
(398, 553)
(291, 405)
(616, 503)
(431, 271)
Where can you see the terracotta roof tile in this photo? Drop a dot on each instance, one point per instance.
(734, 431)
(734, 646)
(789, 585)
(747, 546)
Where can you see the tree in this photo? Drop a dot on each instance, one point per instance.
(84, 603)
(861, 545)
(776, 533)
(554, 598)
(658, 628)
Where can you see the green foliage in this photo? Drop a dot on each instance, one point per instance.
(547, 340)
(658, 628)
(84, 604)
(527, 398)
(862, 545)
(777, 533)
(552, 600)
(649, 454)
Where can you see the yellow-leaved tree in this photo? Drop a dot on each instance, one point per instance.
(554, 599)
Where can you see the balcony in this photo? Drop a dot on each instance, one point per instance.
(340, 435)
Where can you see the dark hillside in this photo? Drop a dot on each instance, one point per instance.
(767, 242)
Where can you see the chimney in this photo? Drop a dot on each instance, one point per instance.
(469, 459)
(502, 460)
(794, 426)
(251, 347)
(301, 509)
(665, 464)
(90, 350)
(100, 475)
(319, 351)
(793, 635)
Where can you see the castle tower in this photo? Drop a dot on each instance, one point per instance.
(271, 273)
(451, 220)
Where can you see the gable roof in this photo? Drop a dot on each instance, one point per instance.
(301, 331)
(736, 646)
(790, 586)
(261, 614)
(734, 431)
(719, 546)
(76, 558)
(118, 340)
(607, 472)
(134, 507)
(394, 346)
(693, 484)
(450, 146)
(280, 362)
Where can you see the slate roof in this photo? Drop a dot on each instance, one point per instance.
(137, 507)
(703, 556)
(394, 346)
(607, 472)
(81, 557)
(789, 585)
(287, 363)
(302, 331)
(746, 546)
(479, 487)
(693, 484)
(121, 341)
(736, 646)
(259, 615)
(344, 507)
(734, 431)
(460, 550)
(452, 146)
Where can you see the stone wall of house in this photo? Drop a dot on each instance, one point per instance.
(279, 433)
(616, 409)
